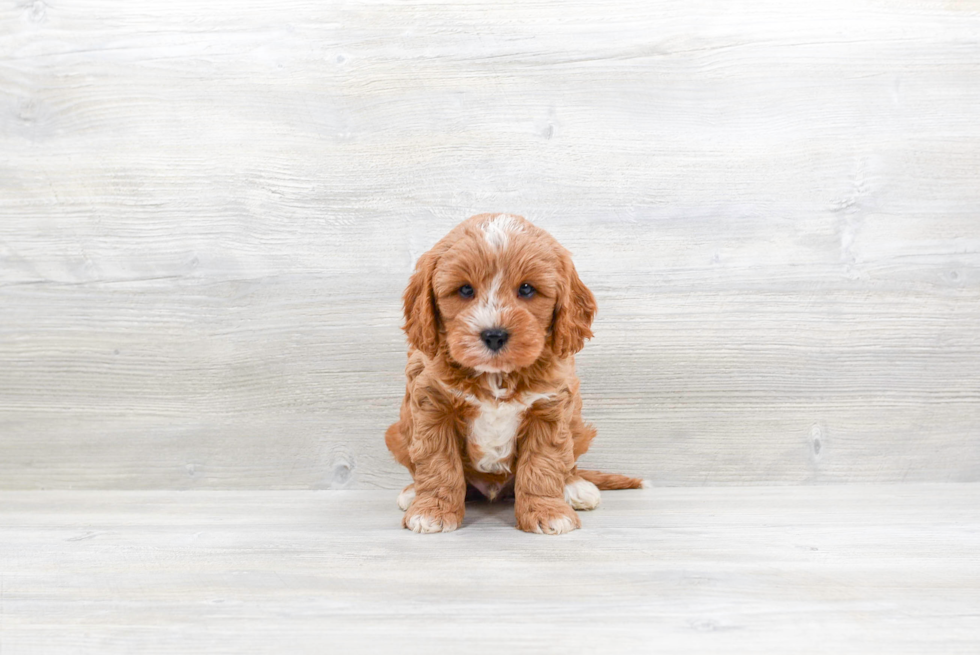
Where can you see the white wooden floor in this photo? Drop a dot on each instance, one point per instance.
(890, 569)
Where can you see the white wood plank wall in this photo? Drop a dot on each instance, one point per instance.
(208, 212)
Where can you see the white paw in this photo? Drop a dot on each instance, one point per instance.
(557, 526)
(646, 484)
(425, 524)
(406, 497)
(582, 494)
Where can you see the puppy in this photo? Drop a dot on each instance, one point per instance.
(494, 314)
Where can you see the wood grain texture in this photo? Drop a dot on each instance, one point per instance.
(207, 217)
(819, 569)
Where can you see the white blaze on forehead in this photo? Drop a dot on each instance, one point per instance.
(486, 314)
(497, 229)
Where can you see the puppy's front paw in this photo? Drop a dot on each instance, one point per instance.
(426, 515)
(547, 516)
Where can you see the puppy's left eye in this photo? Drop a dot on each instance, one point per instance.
(525, 290)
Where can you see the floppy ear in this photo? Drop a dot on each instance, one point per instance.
(421, 312)
(574, 310)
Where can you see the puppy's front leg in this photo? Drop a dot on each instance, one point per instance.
(544, 460)
(440, 487)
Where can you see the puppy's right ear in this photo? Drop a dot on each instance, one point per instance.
(421, 312)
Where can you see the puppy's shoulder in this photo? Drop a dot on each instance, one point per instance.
(425, 385)
(415, 365)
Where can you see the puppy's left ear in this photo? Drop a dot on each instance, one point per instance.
(574, 310)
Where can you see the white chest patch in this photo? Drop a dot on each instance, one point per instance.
(494, 431)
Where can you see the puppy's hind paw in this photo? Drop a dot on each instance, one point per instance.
(406, 497)
(582, 494)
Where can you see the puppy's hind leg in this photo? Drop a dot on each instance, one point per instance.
(398, 445)
(396, 442)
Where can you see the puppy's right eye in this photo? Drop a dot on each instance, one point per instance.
(466, 291)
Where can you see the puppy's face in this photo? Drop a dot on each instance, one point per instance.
(498, 291)
(495, 290)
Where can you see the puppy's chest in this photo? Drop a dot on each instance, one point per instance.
(493, 430)
(492, 433)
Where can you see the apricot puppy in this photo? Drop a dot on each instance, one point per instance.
(494, 314)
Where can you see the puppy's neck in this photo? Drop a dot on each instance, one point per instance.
(545, 376)
(499, 384)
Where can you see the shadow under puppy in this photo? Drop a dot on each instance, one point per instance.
(494, 314)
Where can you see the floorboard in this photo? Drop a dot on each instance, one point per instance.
(887, 569)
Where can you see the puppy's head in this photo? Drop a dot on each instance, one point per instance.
(498, 291)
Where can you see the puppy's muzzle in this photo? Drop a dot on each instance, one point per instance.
(494, 338)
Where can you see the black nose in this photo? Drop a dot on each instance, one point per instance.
(495, 338)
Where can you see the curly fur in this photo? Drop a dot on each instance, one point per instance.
(497, 422)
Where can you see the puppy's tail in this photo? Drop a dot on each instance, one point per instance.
(611, 480)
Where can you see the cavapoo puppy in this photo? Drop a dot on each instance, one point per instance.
(494, 314)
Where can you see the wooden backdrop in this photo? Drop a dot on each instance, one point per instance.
(208, 212)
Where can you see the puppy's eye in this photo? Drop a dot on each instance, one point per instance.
(525, 290)
(466, 291)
